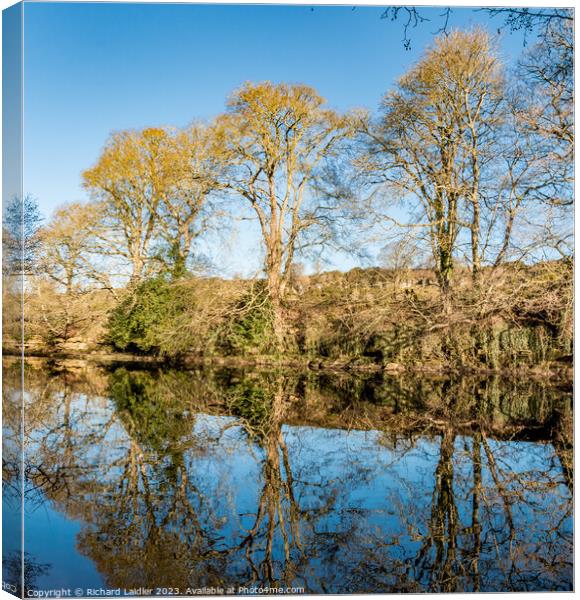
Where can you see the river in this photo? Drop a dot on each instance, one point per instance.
(171, 482)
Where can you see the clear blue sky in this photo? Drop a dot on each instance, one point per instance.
(91, 69)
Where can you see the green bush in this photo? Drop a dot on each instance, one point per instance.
(249, 329)
(135, 322)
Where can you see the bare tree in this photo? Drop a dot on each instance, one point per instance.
(524, 19)
(21, 221)
(547, 110)
(198, 162)
(130, 180)
(277, 136)
(435, 136)
(70, 248)
(153, 186)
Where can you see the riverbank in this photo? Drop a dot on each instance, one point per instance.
(518, 323)
(554, 371)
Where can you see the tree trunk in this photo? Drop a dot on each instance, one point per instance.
(444, 269)
(276, 287)
(475, 258)
(278, 320)
(137, 274)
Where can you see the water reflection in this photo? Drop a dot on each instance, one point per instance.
(12, 482)
(329, 483)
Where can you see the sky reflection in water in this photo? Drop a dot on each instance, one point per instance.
(130, 485)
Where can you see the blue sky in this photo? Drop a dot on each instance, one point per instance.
(90, 69)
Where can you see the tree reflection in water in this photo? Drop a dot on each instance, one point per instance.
(330, 483)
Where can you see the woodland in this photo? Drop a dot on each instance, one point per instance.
(463, 178)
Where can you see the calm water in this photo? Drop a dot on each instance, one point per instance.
(173, 481)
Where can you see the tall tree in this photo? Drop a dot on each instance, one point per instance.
(153, 186)
(541, 166)
(130, 180)
(198, 162)
(434, 139)
(547, 107)
(278, 136)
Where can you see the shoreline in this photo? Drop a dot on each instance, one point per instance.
(563, 372)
